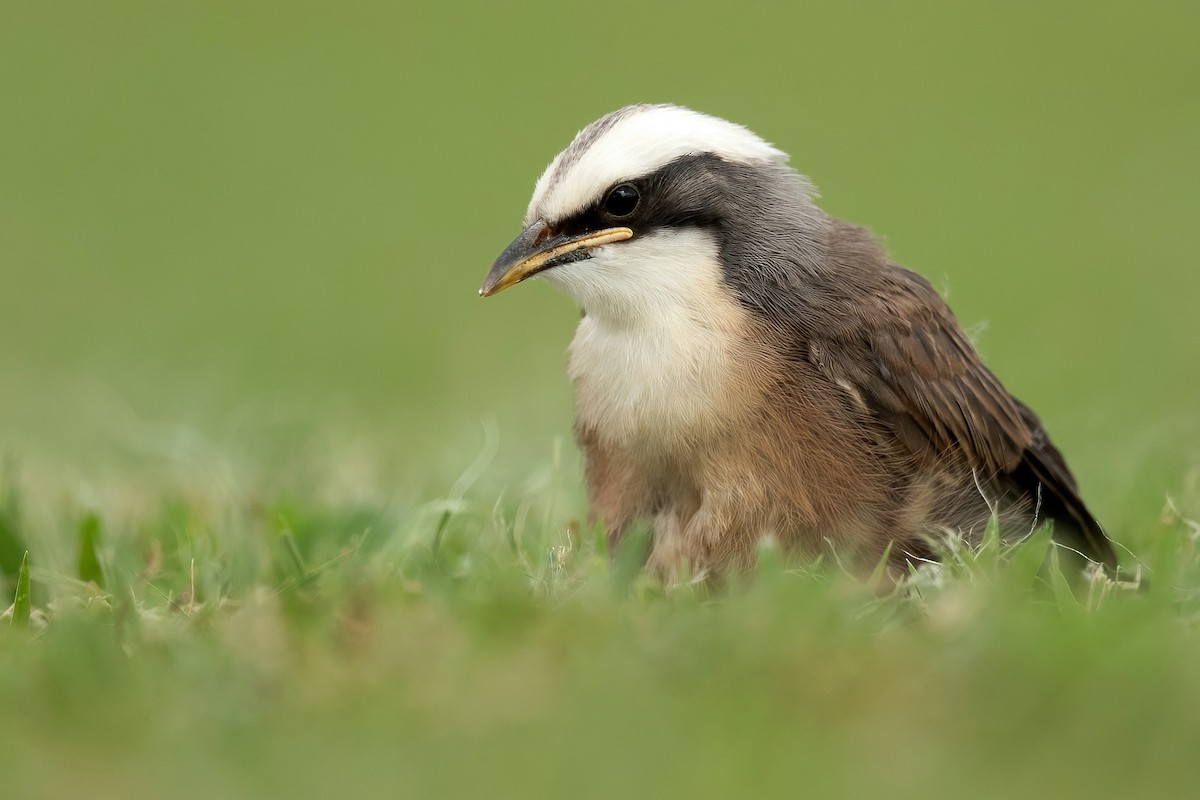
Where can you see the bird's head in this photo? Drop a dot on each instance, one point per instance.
(648, 200)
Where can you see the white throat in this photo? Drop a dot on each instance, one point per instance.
(662, 279)
(653, 357)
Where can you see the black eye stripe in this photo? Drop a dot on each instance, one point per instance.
(622, 200)
(693, 191)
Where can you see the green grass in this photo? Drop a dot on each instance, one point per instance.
(248, 644)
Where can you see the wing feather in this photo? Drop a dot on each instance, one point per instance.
(918, 373)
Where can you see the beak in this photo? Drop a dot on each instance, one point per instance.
(538, 249)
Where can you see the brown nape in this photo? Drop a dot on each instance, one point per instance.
(866, 424)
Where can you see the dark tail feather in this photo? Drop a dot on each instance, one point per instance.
(1074, 526)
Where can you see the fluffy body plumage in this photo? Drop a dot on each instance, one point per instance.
(749, 366)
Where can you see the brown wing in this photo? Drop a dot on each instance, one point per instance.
(914, 368)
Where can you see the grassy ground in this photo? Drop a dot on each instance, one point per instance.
(240, 644)
(242, 365)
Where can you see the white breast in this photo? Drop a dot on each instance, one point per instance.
(656, 360)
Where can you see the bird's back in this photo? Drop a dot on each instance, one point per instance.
(900, 356)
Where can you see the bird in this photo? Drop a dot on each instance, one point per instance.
(748, 367)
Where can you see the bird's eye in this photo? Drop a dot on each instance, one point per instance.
(622, 200)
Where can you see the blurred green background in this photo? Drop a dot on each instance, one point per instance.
(240, 245)
(255, 225)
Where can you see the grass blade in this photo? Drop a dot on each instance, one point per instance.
(89, 561)
(880, 573)
(1028, 561)
(11, 544)
(629, 557)
(1064, 594)
(441, 529)
(21, 605)
(293, 550)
